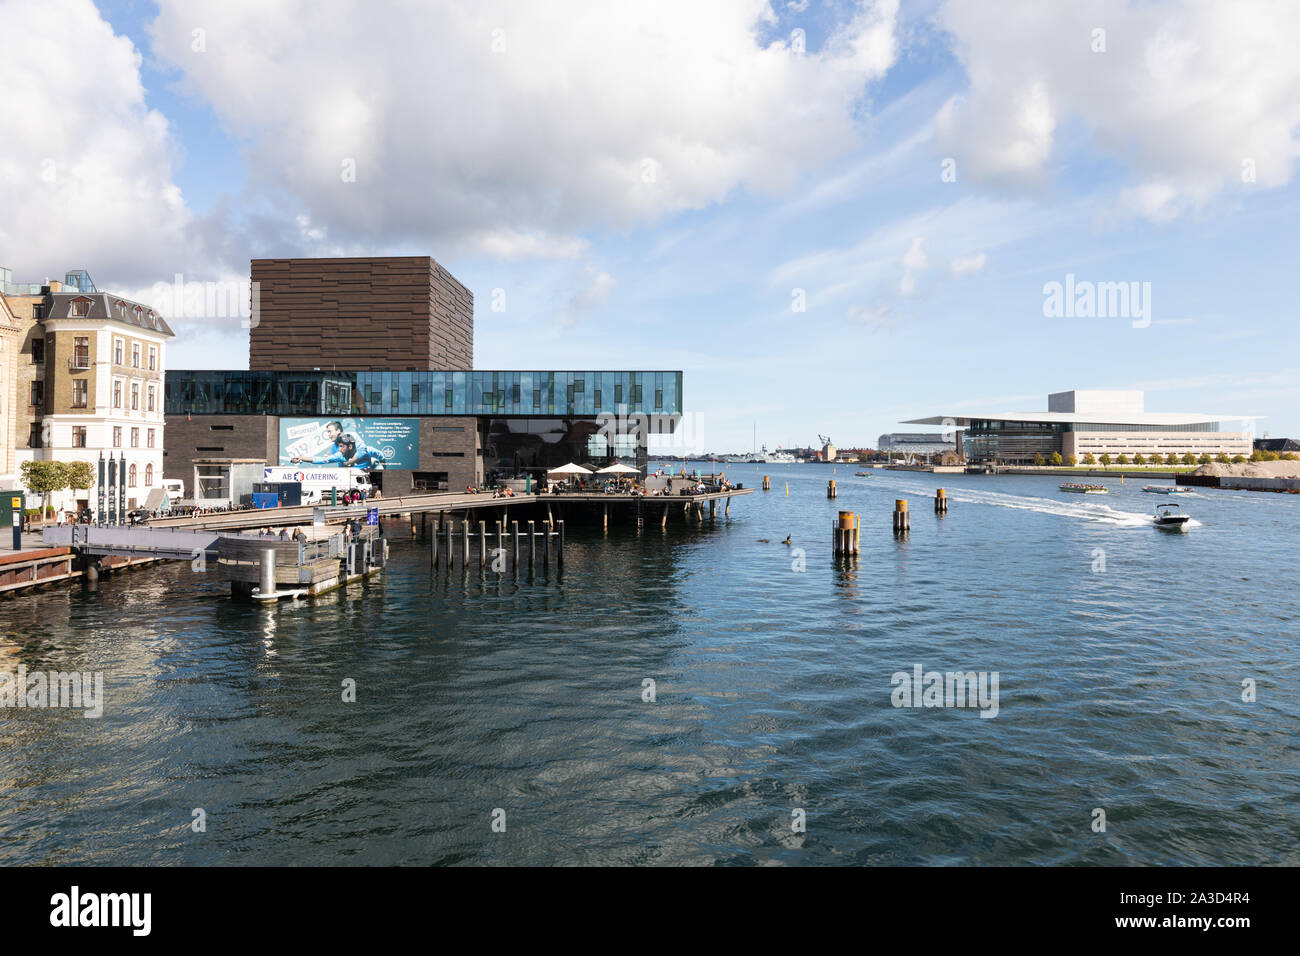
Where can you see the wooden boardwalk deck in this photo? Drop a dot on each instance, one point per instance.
(438, 504)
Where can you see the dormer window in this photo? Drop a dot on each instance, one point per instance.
(80, 308)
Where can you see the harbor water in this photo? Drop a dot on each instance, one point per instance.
(704, 694)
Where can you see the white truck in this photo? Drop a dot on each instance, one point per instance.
(317, 480)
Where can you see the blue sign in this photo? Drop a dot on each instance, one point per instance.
(372, 516)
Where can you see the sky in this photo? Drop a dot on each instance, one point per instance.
(831, 216)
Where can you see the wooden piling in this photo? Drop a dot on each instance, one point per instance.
(830, 489)
(433, 548)
(941, 502)
(546, 552)
(902, 520)
(559, 554)
(464, 550)
(450, 553)
(532, 548)
(482, 544)
(514, 531)
(767, 483)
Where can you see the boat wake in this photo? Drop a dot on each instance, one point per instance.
(1085, 509)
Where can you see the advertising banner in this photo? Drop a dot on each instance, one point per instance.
(368, 443)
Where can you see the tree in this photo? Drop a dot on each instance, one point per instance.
(1139, 459)
(45, 478)
(81, 474)
(1039, 459)
(1122, 459)
(1189, 459)
(1222, 459)
(1257, 455)
(1056, 458)
(1238, 459)
(1071, 460)
(1088, 459)
(1105, 459)
(1171, 459)
(1205, 458)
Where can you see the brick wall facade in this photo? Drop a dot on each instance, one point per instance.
(398, 313)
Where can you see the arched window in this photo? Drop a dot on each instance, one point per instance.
(130, 477)
(148, 476)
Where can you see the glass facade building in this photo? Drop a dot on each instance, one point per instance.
(479, 392)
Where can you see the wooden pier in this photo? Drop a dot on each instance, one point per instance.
(268, 569)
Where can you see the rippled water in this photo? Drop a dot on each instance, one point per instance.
(1120, 689)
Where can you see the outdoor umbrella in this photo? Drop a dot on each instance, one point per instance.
(619, 469)
(569, 469)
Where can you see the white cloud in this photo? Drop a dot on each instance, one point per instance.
(485, 124)
(914, 263)
(1185, 93)
(963, 265)
(86, 168)
(595, 294)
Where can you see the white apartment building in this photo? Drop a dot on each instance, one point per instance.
(101, 393)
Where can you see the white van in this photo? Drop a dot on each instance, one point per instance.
(317, 480)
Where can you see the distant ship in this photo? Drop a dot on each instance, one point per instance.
(765, 457)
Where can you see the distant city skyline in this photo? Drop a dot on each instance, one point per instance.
(834, 217)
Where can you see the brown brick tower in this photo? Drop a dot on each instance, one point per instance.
(392, 313)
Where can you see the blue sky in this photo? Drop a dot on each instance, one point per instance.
(666, 188)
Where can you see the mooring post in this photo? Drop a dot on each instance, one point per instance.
(266, 577)
(767, 483)
(546, 554)
(830, 489)
(605, 526)
(514, 530)
(482, 544)
(559, 555)
(941, 502)
(902, 520)
(532, 547)
(433, 545)
(464, 551)
(501, 539)
(450, 552)
(664, 522)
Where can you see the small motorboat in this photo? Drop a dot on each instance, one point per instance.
(862, 474)
(1166, 490)
(1171, 517)
(1079, 488)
